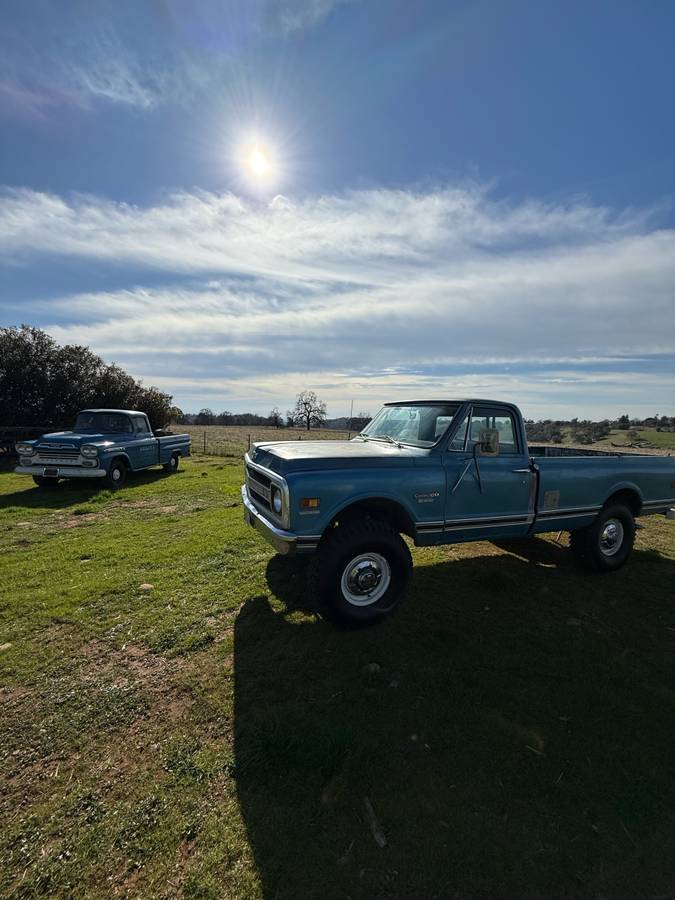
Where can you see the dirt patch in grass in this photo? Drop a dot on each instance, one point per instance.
(136, 664)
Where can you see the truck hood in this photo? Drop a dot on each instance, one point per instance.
(71, 440)
(295, 456)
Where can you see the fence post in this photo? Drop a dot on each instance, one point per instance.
(204, 443)
(249, 442)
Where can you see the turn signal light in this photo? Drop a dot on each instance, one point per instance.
(310, 503)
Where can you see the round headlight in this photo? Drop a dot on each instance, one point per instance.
(277, 501)
(89, 450)
(25, 449)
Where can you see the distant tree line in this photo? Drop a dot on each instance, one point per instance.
(584, 431)
(44, 384)
(309, 412)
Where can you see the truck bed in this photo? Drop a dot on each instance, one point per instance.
(574, 484)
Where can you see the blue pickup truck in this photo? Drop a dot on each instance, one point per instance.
(104, 445)
(440, 472)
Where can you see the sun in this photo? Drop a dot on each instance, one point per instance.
(259, 162)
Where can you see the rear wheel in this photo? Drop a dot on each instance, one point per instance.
(172, 465)
(606, 544)
(117, 474)
(42, 481)
(359, 572)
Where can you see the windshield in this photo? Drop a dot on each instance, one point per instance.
(102, 423)
(419, 425)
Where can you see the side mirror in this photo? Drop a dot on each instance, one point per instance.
(489, 442)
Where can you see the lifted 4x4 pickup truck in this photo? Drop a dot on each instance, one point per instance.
(440, 471)
(104, 444)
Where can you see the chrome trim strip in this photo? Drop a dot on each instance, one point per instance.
(574, 515)
(567, 510)
(487, 524)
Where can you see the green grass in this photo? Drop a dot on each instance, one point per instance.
(512, 725)
(657, 440)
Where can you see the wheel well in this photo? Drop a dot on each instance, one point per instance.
(629, 498)
(122, 459)
(377, 508)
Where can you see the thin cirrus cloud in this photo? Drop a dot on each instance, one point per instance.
(366, 293)
(64, 60)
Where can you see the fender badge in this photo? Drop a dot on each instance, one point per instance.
(427, 498)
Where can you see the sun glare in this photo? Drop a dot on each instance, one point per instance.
(259, 163)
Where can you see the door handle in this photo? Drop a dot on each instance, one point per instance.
(522, 471)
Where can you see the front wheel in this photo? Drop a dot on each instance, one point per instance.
(359, 572)
(606, 544)
(117, 475)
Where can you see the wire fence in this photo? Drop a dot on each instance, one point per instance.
(235, 440)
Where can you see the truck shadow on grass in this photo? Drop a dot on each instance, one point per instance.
(510, 727)
(73, 492)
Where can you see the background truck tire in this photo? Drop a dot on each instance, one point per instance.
(172, 465)
(359, 572)
(117, 474)
(606, 544)
(41, 481)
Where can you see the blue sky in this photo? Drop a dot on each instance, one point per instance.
(457, 197)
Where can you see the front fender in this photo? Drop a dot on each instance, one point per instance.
(106, 460)
(369, 495)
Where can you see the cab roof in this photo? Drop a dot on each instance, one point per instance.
(478, 400)
(121, 412)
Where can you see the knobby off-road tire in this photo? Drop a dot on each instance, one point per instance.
(359, 572)
(42, 481)
(172, 465)
(606, 544)
(117, 475)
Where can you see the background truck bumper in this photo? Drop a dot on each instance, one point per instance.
(283, 541)
(61, 471)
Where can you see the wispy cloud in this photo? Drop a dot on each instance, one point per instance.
(374, 292)
(289, 16)
(128, 57)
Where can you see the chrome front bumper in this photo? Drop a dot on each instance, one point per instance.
(283, 541)
(61, 471)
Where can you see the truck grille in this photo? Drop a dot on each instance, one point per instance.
(259, 487)
(44, 453)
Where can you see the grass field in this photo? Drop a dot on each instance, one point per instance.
(175, 722)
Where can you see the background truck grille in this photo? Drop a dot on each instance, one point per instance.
(57, 454)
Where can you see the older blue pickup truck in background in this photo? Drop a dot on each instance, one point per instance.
(105, 444)
(440, 471)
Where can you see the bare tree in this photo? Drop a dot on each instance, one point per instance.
(309, 410)
(275, 417)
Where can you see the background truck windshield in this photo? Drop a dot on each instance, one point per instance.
(102, 423)
(419, 425)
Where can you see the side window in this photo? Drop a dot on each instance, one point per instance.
(496, 418)
(457, 443)
(140, 426)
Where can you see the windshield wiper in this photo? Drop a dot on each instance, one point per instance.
(385, 437)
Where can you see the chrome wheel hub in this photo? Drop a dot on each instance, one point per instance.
(116, 474)
(611, 537)
(365, 579)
